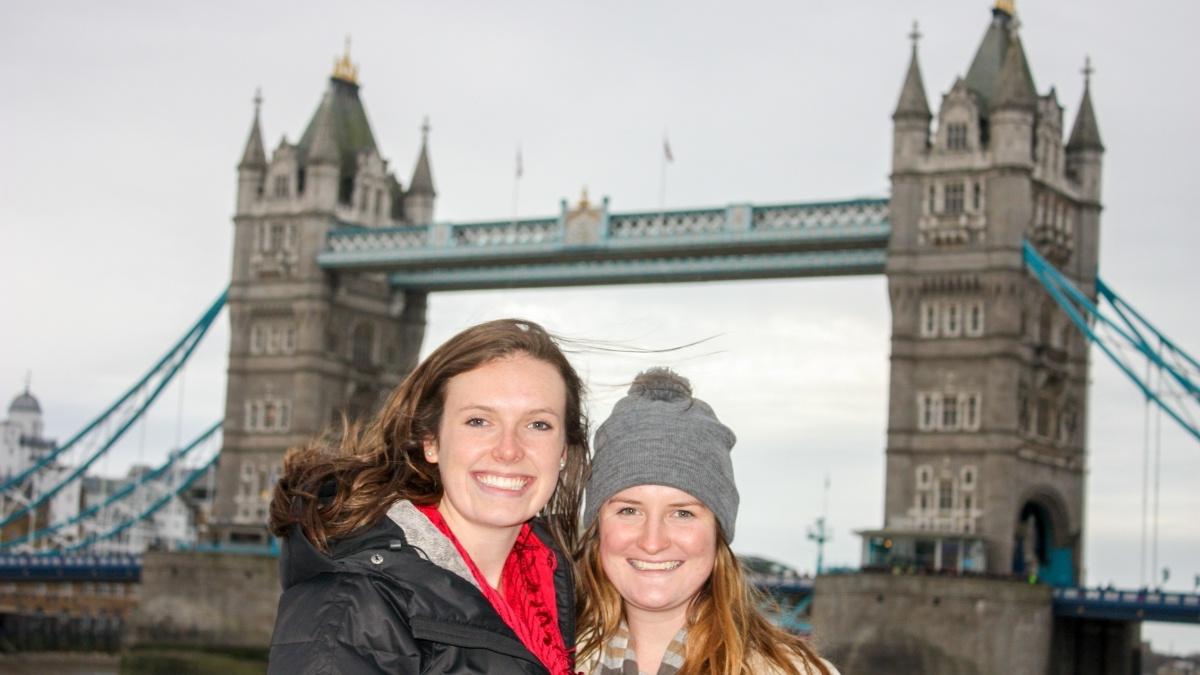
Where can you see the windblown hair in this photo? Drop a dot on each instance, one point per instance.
(335, 486)
(727, 634)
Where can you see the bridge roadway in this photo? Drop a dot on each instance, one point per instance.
(588, 245)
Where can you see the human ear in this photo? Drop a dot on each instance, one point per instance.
(431, 450)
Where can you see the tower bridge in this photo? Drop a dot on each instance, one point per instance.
(993, 205)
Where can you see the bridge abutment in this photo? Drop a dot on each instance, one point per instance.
(1095, 646)
(205, 600)
(905, 624)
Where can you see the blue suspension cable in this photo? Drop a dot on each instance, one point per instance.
(202, 324)
(196, 335)
(1060, 288)
(117, 496)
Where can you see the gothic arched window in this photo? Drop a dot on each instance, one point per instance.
(363, 345)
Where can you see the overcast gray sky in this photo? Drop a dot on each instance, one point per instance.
(121, 124)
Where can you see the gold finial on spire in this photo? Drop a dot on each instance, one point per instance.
(1009, 7)
(583, 199)
(343, 68)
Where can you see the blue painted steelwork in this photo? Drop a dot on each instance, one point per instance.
(176, 358)
(647, 270)
(1126, 605)
(791, 600)
(146, 513)
(736, 241)
(190, 336)
(70, 568)
(1084, 313)
(117, 496)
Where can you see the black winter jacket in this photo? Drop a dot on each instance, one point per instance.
(397, 598)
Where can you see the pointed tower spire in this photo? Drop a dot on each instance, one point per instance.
(1085, 135)
(422, 177)
(323, 148)
(1014, 86)
(418, 201)
(254, 157)
(912, 95)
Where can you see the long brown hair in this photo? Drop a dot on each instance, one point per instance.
(726, 630)
(333, 487)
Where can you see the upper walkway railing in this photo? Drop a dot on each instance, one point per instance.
(589, 245)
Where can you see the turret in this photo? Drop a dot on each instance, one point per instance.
(26, 414)
(910, 121)
(253, 167)
(1013, 107)
(321, 159)
(1085, 151)
(337, 137)
(418, 201)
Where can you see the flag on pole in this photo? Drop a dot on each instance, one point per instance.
(667, 149)
(520, 164)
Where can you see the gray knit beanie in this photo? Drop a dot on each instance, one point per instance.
(659, 435)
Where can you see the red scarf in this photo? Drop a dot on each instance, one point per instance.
(528, 604)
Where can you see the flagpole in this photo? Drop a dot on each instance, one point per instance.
(516, 186)
(662, 179)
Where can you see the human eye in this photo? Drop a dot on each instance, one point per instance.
(626, 511)
(684, 514)
(476, 422)
(541, 425)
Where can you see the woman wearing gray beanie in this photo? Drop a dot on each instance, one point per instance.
(660, 591)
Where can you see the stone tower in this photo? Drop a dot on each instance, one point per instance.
(307, 345)
(986, 452)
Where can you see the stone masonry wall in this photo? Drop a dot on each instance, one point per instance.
(206, 599)
(929, 625)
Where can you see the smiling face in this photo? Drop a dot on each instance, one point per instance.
(499, 445)
(657, 547)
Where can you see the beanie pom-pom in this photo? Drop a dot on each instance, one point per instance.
(661, 384)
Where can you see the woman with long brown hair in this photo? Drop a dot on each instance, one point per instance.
(432, 540)
(660, 591)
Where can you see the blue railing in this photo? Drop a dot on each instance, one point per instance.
(1127, 605)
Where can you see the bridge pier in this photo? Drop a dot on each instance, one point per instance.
(905, 624)
(1095, 646)
(205, 600)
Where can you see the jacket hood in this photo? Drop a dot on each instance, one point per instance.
(300, 561)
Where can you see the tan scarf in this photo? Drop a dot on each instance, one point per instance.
(617, 656)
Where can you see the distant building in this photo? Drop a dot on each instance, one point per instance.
(176, 524)
(173, 525)
(22, 445)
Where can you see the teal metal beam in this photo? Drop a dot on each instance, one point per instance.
(1084, 313)
(117, 496)
(652, 270)
(172, 363)
(582, 237)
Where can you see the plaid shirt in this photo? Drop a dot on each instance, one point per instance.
(618, 657)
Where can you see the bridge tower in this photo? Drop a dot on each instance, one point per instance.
(986, 450)
(306, 344)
